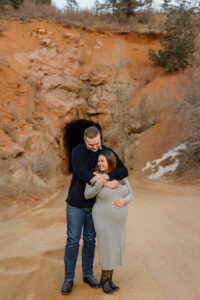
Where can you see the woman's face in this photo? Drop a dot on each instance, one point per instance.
(102, 163)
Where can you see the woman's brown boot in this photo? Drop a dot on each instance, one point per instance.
(113, 286)
(105, 281)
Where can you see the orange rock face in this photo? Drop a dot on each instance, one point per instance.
(50, 76)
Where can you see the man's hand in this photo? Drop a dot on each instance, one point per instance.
(94, 179)
(111, 184)
(120, 202)
(103, 178)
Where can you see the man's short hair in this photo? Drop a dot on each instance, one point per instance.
(91, 132)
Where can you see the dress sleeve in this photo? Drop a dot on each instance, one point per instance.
(130, 195)
(92, 190)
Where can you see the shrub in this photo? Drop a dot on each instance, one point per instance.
(16, 3)
(179, 44)
(3, 3)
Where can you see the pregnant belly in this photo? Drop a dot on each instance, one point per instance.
(103, 210)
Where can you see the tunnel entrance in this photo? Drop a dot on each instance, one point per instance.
(74, 135)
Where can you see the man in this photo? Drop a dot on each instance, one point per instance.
(79, 210)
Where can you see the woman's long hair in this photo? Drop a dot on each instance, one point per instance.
(111, 159)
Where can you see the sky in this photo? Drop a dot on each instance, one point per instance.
(85, 3)
(81, 3)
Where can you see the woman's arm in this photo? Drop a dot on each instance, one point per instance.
(92, 190)
(120, 202)
(130, 195)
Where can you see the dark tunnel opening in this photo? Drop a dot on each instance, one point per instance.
(74, 135)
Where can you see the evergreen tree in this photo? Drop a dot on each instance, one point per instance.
(128, 7)
(110, 5)
(71, 4)
(179, 44)
(125, 7)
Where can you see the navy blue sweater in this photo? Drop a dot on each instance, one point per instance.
(84, 163)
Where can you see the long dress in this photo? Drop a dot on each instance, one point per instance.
(110, 222)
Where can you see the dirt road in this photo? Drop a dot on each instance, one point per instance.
(163, 249)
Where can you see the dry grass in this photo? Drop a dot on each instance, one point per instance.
(144, 21)
(146, 113)
(28, 178)
(188, 114)
(1, 30)
(196, 22)
(145, 76)
(43, 164)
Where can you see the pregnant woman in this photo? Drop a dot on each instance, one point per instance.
(109, 214)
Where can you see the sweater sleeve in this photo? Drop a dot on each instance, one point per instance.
(79, 165)
(120, 172)
(130, 195)
(92, 190)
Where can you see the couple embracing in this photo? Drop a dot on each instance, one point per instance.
(97, 205)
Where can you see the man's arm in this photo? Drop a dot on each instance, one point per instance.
(80, 166)
(120, 172)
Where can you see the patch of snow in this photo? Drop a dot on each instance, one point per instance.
(163, 170)
(172, 154)
(148, 166)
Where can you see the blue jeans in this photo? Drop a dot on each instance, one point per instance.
(77, 219)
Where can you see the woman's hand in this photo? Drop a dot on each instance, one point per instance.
(101, 179)
(120, 202)
(111, 184)
(97, 176)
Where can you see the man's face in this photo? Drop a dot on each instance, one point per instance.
(93, 144)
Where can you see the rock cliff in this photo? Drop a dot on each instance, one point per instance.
(51, 75)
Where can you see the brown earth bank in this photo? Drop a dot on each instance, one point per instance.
(162, 261)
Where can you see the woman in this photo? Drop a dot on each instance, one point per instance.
(109, 214)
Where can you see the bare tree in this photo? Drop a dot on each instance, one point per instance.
(71, 4)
